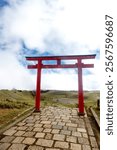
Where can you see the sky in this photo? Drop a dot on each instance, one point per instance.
(48, 28)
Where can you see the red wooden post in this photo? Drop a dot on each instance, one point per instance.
(80, 89)
(38, 88)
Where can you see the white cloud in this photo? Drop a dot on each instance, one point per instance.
(61, 27)
(80, 22)
(12, 74)
(73, 21)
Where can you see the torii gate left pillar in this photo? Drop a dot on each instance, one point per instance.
(38, 88)
(58, 59)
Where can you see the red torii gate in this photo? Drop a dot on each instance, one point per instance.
(58, 64)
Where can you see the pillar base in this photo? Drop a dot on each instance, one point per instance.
(81, 113)
(36, 110)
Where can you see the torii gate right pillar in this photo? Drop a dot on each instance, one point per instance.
(80, 89)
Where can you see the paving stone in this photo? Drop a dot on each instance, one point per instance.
(37, 122)
(29, 124)
(4, 146)
(47, 126)
(71, 128)
(52, 149)
(62, 115)
(35, 148)
(57, 117)
(38, 129)
(9, 132)
(37, 117)
(38, 125)
(67, 121)
(75, 146)
(47, 130)
(45, 122)
(58, 120)
(19, 133)
(93, 142)
(17, 147)
(48, 136)
(29, 129)
(61, 145)
(86, 147)
(36, 113)
(65, 118)
(71, 139)
(90, 131)
(74, 111)
(29, 141)
(81, 130)
(29, 118)
(22, 128)
(81, 120)
(85, 135)
(55, 131)
(40, 135)
(43, 116)
(75, 114)
(75, 120)
(45, 119)
(59, 137)
(21, 123)
(51, 120)
(18, 140)
(83, 140)
(7, 139)
(13, 128)
(44, 142)
(51, 117)
(54, 123)
(30, 121)
(95, 149)
(65, 128)
(78, 134)
(29, 134)
(81, 126)
(61, 123)
(66, 132)
(57, 127)
(71, 124)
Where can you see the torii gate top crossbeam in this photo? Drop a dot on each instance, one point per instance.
(58, 59)
(36, 58)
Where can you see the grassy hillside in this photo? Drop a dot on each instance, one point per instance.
(15, 99)
(13, 102)
(69, 98)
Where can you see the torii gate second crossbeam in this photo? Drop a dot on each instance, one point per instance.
(59, 64)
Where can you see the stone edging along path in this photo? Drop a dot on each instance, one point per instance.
(16, 119)
(54, 128)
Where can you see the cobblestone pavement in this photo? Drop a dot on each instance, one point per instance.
(53, 128)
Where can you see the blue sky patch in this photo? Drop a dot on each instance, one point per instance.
(3, 3)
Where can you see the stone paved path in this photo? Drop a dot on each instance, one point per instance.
(52, 129)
